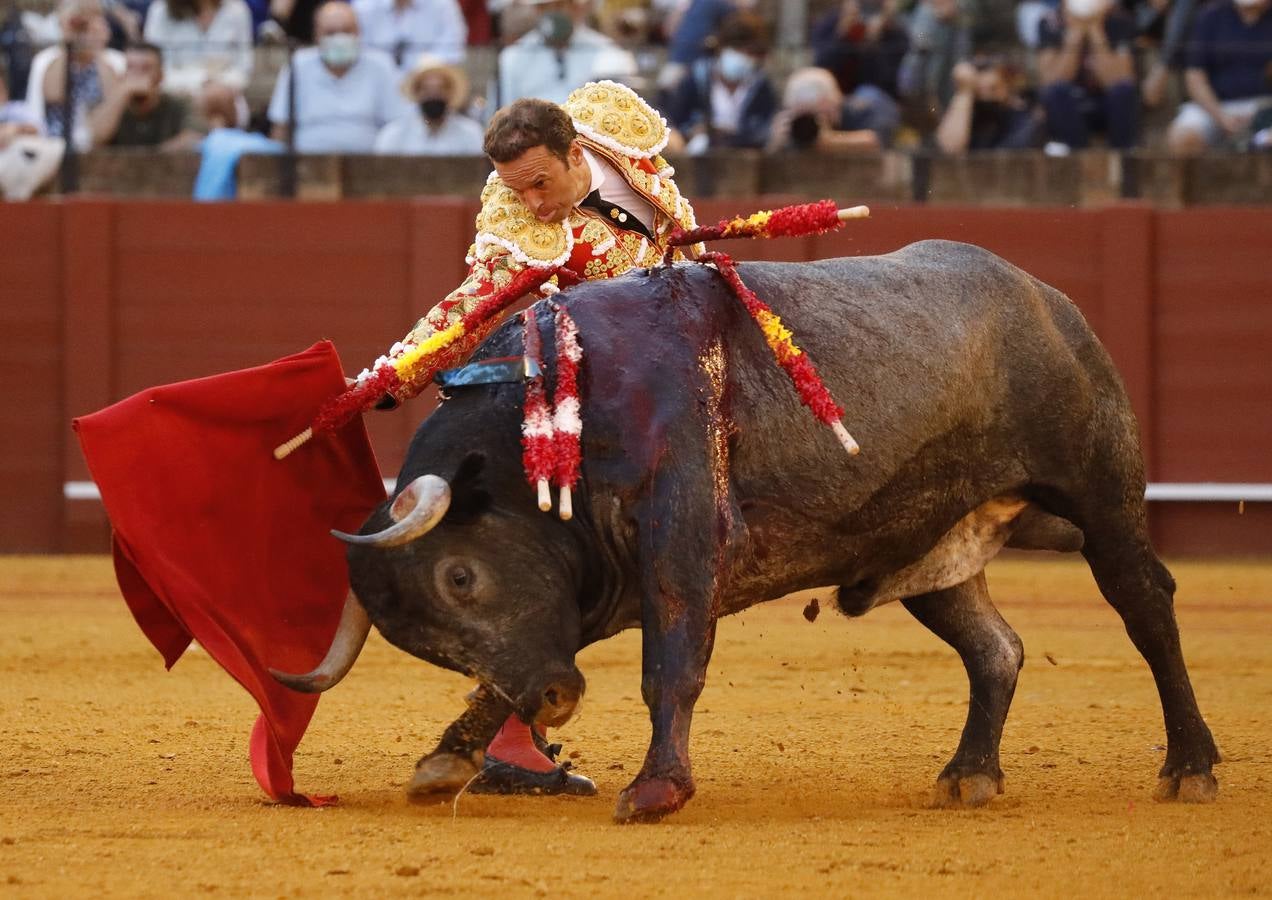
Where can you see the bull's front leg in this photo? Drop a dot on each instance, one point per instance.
(676, 648)
(681, 578)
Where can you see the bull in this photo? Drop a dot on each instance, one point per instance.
(989, 416)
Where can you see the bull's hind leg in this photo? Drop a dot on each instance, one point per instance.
(1139, 587)
(964, 618)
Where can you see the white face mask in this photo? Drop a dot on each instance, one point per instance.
(1083, 9)
(735, 65)
(338, 50)
(1248, 3)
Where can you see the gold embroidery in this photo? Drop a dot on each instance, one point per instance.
(594, 233)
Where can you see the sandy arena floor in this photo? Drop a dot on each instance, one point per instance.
(815, 746)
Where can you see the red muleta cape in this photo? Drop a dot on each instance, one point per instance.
(216, 541)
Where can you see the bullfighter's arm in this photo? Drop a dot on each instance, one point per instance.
(490, 268)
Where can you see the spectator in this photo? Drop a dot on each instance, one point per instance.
(28, 161)
(861, 42)
(940, 37)
(1229, 59)
(1261, 129)
(95, 69)
(16, 51)
(407, 28)
(295, 18)
(203, 42)
(1088, 75)
(691, 35)
(986, 112)
(727, 101)
(16, 116)
(557, 55)
(139, 113)
(436, 126)
(816, 116)
(345, 93)
(1177, 22)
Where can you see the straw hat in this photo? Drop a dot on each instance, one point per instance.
(428, 63)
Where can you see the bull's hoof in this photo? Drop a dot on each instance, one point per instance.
(1199, 788)
(440, 774)
(648, 799)
(955, 792)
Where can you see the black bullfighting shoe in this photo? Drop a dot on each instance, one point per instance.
(499, 777)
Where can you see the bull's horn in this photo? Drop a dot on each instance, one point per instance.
(351, 634)
(415, 511)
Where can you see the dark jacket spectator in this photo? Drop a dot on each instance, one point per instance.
(986, 112)
(1088, 74)
(727, 101)
(692, 32)
(861, 42)
(1228, 58)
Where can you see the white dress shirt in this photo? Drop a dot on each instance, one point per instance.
(615, 189)
(530, 68)
(410, 135)
(422, 26)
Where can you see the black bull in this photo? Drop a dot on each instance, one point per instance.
(987, 413)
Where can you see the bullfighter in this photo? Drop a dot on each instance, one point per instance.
(580, 186)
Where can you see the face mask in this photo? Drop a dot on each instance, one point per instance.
(735, 65)
(339, 50)
(556, 28)
(1083, 9)
(433, 108)
(1248, 3)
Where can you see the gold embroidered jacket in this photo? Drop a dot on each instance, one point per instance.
(616, 125)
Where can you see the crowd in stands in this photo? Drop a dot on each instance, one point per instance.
(395, 76)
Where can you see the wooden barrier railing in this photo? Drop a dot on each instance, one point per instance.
(103, 298)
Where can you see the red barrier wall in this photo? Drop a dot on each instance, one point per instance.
(103, 298)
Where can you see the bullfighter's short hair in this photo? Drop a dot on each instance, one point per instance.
(527, 123)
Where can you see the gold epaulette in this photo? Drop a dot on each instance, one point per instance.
(615, 116)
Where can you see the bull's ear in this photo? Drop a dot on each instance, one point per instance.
(469, 499)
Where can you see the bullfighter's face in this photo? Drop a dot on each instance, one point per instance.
(548, 185)
(485, 592)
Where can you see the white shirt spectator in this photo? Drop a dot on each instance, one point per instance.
(405, 31)
(339, 115)
(410, 135)
(530, 68)
(81, 132)
(192, 56)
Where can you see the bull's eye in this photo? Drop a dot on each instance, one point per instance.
(457, 579)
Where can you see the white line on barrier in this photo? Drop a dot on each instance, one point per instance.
(1192, 492)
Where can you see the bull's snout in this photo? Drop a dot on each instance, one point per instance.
(559, 699)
